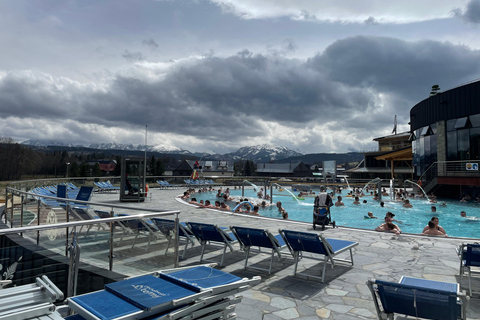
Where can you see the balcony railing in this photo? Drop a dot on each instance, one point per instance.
(83, 254)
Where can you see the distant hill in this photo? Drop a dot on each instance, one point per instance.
(318, 158)
(258, 153)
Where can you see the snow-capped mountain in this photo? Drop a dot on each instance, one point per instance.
(259, 153)
(46, 143)
(107, 146)
(263, 153)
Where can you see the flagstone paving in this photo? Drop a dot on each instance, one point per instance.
(344, 294)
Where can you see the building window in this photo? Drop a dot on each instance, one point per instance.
(474, 143)
(475, 120)
(461, 123)
(451, 124)
(463, 144)
(452, 146)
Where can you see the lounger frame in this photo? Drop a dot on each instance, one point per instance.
(208, 233)
(417, 301)
(251, 237)
(299, 242)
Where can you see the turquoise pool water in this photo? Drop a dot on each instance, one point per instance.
(413, 220)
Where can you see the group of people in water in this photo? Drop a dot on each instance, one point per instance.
(431, 229)
(252, 207)
(242, 205)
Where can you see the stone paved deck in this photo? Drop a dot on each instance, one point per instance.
(344, 294)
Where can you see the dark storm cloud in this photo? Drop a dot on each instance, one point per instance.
(357, 82)
(471, 13)
(388, 65)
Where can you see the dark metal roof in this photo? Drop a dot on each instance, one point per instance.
(455, 103)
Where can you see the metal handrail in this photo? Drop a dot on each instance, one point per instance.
(79, 201)
(85, 222)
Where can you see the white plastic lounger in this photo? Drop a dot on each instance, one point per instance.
(190, 293)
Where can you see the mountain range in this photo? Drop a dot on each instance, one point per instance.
(258, 153)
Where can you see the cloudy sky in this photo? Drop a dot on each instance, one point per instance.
(216, 75)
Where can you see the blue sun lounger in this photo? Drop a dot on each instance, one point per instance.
(419, 298)
(120, 224)
(207, 233)
(190, 293)
(167, 228)
(140, 227)
(299, 242)
(469, 254)
(81, 213)
(250, 237)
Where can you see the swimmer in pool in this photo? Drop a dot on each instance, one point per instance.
(370, 216)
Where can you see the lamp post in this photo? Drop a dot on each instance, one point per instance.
(66, 175)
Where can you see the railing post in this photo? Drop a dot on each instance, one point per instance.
(38, 220)
(110, 253)
(67, 210)
(21, 213)
(11, 210)
(177, 221)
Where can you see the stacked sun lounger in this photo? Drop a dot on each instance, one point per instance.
(30, 301)
(200, 292)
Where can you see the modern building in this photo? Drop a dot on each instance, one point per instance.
(445, 135)
(291, 169)
(205, 169)
(392, 160)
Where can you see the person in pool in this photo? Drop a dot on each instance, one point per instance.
(339, 202)
(431, 230)
(370, 216)
(435, 222)
(388, 226)
(407, 204)
(225, 207)
(281, 210)
(356, 201)
(255, 211)
(391, 215)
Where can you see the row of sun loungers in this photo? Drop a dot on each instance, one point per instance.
(199, 292)
(203, 183)
(171, 294)
(166, 185)
(66, 191)
(106, 187)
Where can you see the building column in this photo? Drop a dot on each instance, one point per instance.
(441, 147)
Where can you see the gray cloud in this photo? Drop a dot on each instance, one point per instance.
(132, 56)
(150, 43)
(406, 69)
(471, 13)
(357, 84)
(371, 21)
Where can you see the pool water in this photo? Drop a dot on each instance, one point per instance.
(412, 220)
